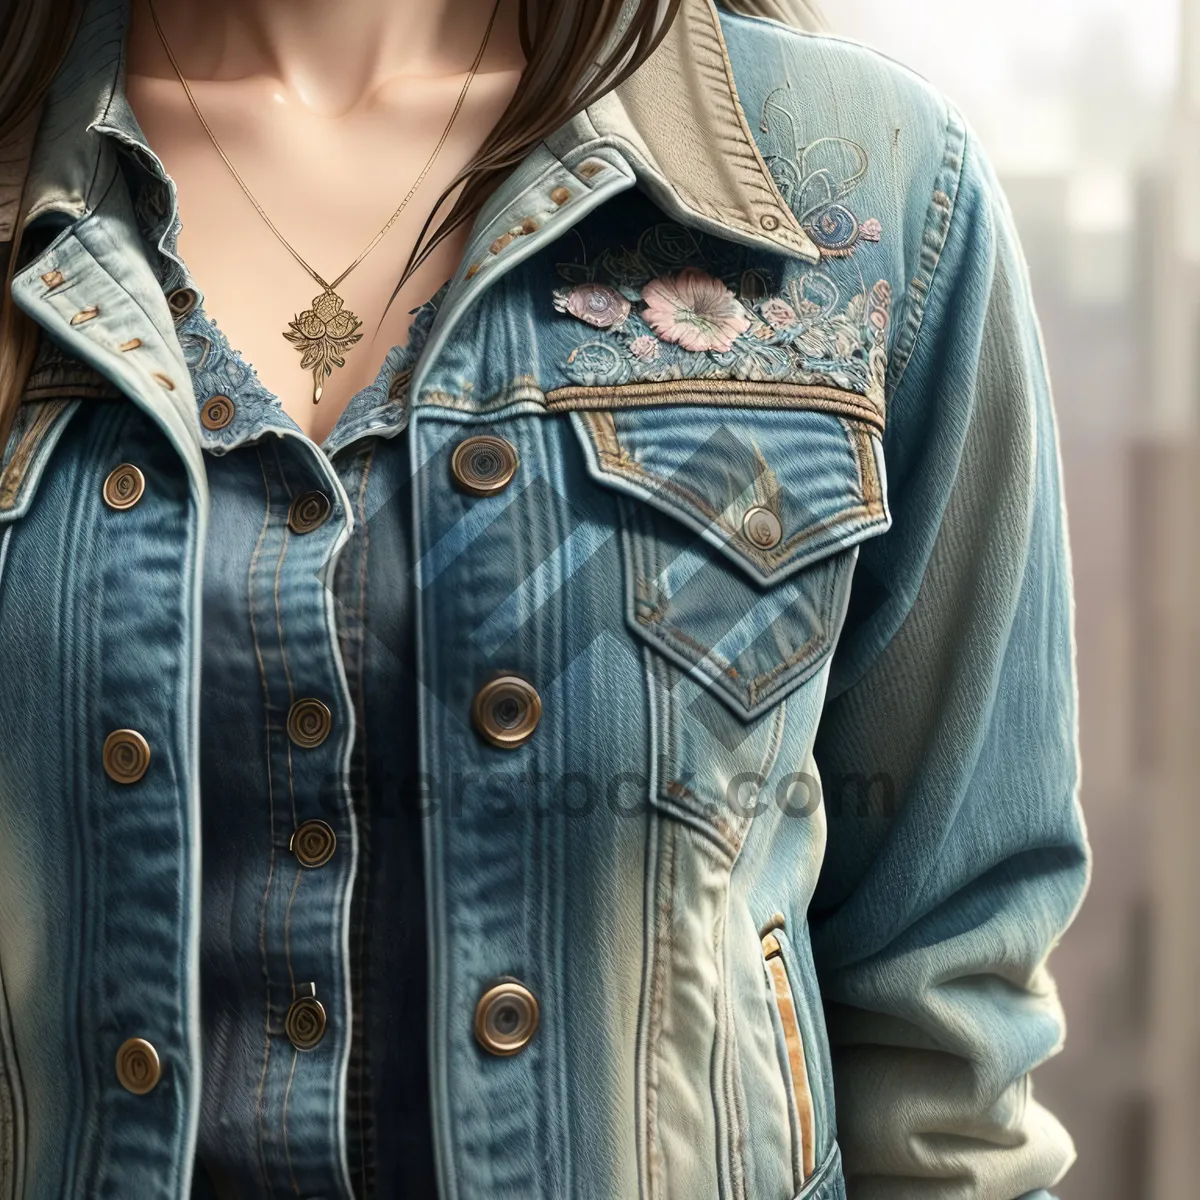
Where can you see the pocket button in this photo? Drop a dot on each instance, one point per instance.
(762, 529)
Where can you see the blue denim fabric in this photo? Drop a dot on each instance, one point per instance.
(785, 559)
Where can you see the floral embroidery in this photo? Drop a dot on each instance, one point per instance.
(779, 314)
(644, 347)
(595, 304)
(871, 230)
(708, 314)
(694, 310)
(816, 178)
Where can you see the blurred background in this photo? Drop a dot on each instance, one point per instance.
(1090, 110)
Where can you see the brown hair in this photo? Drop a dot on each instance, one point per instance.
(575, 51)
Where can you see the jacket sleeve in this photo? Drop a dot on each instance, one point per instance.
(957, 854)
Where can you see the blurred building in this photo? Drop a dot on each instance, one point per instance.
(1167, 617)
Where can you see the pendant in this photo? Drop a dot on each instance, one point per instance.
(323, 334)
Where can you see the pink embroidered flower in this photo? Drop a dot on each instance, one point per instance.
(694, 310)
(779, 314)
(644, 347)
(871, 230)
(595, 304)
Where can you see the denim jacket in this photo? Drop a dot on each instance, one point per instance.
(744, 657)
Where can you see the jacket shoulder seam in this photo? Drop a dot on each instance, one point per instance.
(938, 220)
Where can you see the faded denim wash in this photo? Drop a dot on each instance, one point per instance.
(785, 559)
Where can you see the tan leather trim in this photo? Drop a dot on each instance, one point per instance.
(685, 108)
(717, 393)
(795, 1052)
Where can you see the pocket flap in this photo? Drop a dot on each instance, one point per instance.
(772, 489)
(739, 529)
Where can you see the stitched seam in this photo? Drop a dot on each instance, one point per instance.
(704, 393)
(872, 490)
(262, 927)
(939, 219)
(664, 919)
(287, 1094)
(740, 146)
(358, 1072)
(630, 467)
(11, 1087)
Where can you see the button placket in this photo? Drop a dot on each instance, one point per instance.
(306, 507)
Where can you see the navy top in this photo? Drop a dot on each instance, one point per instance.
(294, 614)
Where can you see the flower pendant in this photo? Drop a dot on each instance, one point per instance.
(323, 334)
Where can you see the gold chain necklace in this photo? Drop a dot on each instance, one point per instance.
(324, 332)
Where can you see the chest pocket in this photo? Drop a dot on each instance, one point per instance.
(738, 526)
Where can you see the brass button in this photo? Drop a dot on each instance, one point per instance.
(506, 712)
(769, 222)
(506, 1018)
(53, 279)
(483, 466)
(216, 413)
(305, 1021)
(503, 240)
(126, 756)
(313, 843)
(85, 314)
(138, 1068)
(762, 528)
(124, 487)
(181, 302)
(308, 512)
(590, 169)
(560, 195)
(309, 722)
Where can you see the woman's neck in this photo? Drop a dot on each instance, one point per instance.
(330, 58)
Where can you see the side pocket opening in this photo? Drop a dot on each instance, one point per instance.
(792, 1060)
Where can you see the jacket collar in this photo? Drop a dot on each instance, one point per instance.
(661, 129)
(677, 121)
